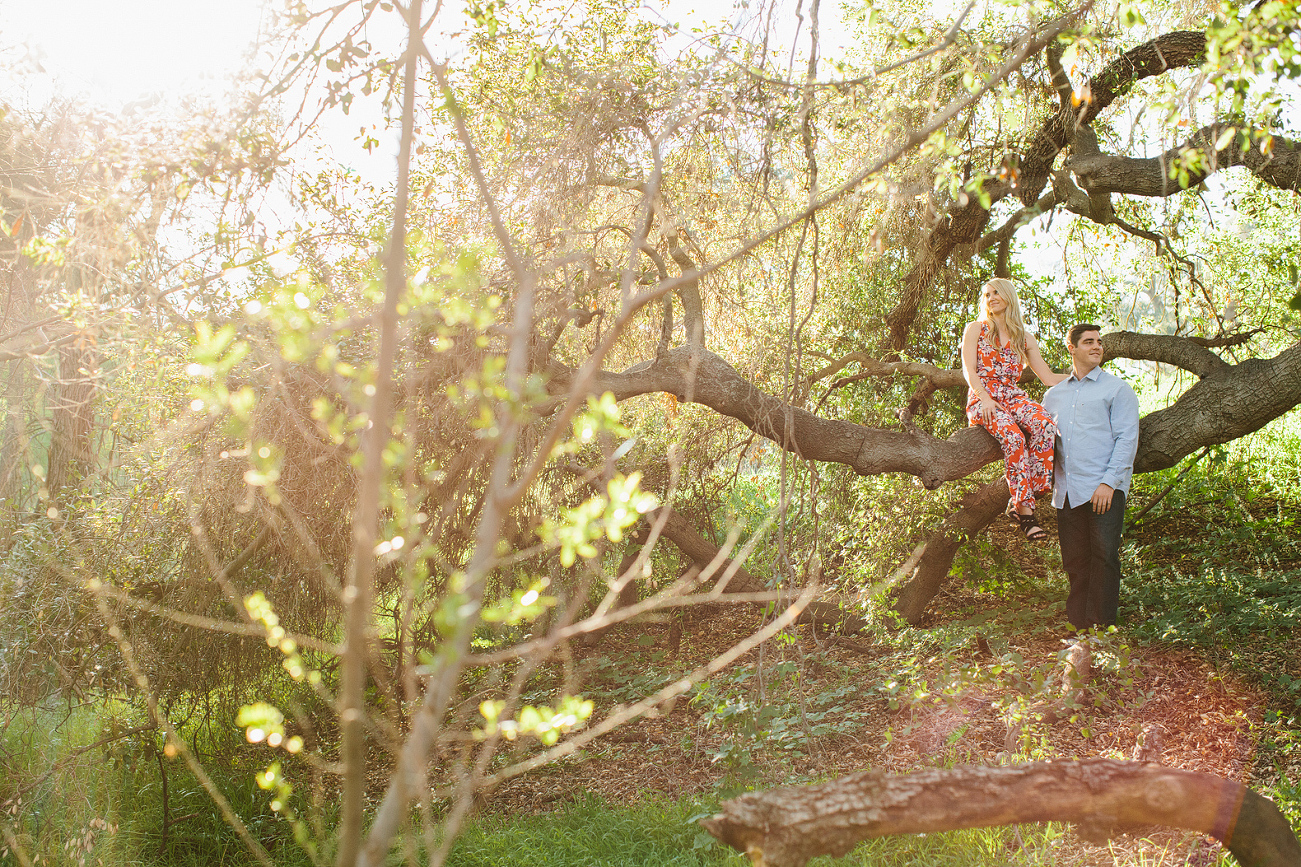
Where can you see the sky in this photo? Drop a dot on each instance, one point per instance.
(114, 52)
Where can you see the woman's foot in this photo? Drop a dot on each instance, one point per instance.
(1030, 527)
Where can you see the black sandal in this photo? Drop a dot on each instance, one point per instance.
(1031, 528)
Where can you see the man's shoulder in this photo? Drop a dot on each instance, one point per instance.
(1114, 381)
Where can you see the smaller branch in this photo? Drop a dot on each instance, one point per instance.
(1133, 522)
(1226, 340)
(1060, 80)
(619, 183)
(939, 376)
(1155, 237)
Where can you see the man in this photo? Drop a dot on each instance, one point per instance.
(1096, 414)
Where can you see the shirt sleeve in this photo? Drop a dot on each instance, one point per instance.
(1124, 427)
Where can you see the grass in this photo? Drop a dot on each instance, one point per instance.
(589, 832)
(104, 806)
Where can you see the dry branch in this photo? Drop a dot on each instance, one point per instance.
(734, 577)
(786, 827)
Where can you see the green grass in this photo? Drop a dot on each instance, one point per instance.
(591, 833)
(105, 805)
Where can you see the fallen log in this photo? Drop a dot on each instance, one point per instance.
(786, 827)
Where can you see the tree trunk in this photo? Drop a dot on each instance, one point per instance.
(788, 826)
(978, 511)
(71, 417)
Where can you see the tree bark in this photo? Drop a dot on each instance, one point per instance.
(977, 511)
(966, 220)
(699, 376)
(1156, 57)
(788, 826)
(1150, 176)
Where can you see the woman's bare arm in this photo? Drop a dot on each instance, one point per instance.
(1038, 366)
(969, 352)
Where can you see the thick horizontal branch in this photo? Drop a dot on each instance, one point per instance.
(699, 376)
(1224, 405)
(1275, 160)
(1181, 352)
(788, 826)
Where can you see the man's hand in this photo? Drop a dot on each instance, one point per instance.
(1102, 499)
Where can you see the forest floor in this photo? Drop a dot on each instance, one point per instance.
(833, 705)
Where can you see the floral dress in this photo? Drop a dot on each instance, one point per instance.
(1022, 427)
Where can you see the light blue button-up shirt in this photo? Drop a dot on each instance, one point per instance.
(1097, 435)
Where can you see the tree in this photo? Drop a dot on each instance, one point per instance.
(451, 368)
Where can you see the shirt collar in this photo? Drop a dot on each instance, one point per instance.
(1092, 375)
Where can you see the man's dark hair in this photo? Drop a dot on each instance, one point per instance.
(1077, 331)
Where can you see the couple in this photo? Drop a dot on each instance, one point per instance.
(1093, 418)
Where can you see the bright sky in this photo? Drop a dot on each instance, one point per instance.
(117, 51)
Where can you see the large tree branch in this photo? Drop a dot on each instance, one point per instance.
(1169, 51)
(1278, 164)
(700, 376)
(966, 220)
(786, 827)
(1181, 352)
(1226, 404)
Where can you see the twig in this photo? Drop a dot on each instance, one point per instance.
(73, 756)
(1168, 488)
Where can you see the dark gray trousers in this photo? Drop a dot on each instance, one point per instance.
(1091, 555)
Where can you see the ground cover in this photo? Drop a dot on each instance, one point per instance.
(1202, 674)
(1198, 677)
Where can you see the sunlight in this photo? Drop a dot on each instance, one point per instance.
(119, 52)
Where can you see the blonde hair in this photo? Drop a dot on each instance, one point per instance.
(1014, 325)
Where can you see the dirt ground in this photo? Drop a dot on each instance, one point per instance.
(1205, 721)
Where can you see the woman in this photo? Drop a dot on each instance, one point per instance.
(995, 349)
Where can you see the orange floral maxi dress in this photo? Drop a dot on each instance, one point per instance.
(1022, 427)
